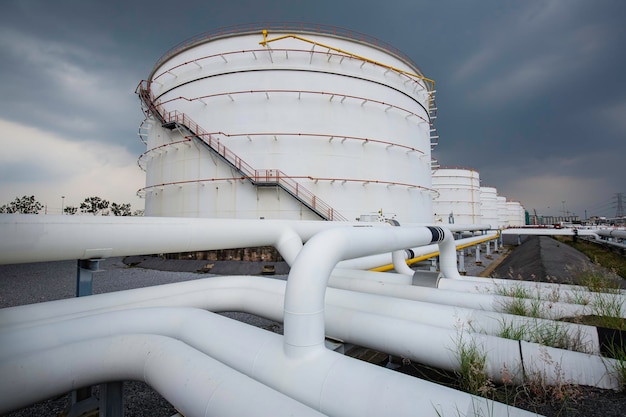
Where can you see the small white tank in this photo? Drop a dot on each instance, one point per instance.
(503, 219)
(489, 206)
(458, 196)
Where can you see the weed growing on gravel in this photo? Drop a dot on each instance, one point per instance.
(472, 374)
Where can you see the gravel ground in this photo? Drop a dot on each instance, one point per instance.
(541, 258)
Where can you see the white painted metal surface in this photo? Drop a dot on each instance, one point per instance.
(348, 124)
(458, 194)
(319, 378)
(503, 219)
(489, 205)
(514, 214)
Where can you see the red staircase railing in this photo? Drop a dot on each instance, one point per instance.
(263, 177)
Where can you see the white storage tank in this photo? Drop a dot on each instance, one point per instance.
(515, 214)
(503, 218)
(302, 122)
(489, 206)
(458, 195)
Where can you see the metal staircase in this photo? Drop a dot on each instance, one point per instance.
(259, 178)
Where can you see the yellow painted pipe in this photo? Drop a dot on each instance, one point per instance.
(265, 41)
(412, 261)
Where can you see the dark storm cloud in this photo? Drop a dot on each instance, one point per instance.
(530, 93)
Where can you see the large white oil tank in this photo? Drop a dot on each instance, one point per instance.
(489, 206)
(458, 195)
(292, 122)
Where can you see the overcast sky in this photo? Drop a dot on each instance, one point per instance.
(530, 93)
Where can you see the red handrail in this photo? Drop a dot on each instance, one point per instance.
(272, 176)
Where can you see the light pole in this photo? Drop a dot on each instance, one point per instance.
(62, 204)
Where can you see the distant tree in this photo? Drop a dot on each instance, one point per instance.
(94, 205)
(70, 210)
(24, 205)
(137, 213)
(120, 209)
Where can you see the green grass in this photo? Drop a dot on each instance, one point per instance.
(599, 255)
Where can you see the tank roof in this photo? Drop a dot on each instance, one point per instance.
(283, 27)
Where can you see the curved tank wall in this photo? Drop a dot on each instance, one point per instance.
(458, 195)
(489, 206)
(336, 122)
(503, 218)
(515, 214)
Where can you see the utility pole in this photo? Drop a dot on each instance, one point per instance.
(619, 213)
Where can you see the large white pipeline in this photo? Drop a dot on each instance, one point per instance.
(546, 291)
(353, 317)
(375, 261)
(32, 238)
(621, 234)
(593, 233)
(325, 380)
(305, 344)
(240, 294)
(193, 382)
(446, 293)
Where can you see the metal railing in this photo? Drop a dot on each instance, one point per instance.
(262, 177)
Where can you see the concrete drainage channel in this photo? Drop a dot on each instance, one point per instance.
(165, 336)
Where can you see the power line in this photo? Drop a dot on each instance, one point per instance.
(620, 205)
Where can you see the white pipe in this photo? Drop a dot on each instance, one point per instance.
(304, 347)
(375, 261)
(330, 382)
(399, 263)
(612, 233)
(264, 297)
(28, 238)
(443, 295)
(308, 278)
(546, 232)
(197, 385)
(546, 291)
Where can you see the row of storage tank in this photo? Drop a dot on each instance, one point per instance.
(461, 199)
(300, 123)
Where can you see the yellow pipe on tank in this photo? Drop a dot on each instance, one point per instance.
(265, 41)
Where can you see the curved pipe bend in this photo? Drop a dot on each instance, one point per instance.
(166, 364)
(308, 278)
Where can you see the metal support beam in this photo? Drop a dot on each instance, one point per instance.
(84, 276)
(112, 399)
(461, 262)
(433, 264)
(111, 403)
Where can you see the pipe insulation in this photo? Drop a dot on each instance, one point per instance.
(548, 292)
(621, 234)
(196, 384)
(306, 286)
(377, 283)
(423, 332)
(332, 383)
(28, 238)
(375, 261)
